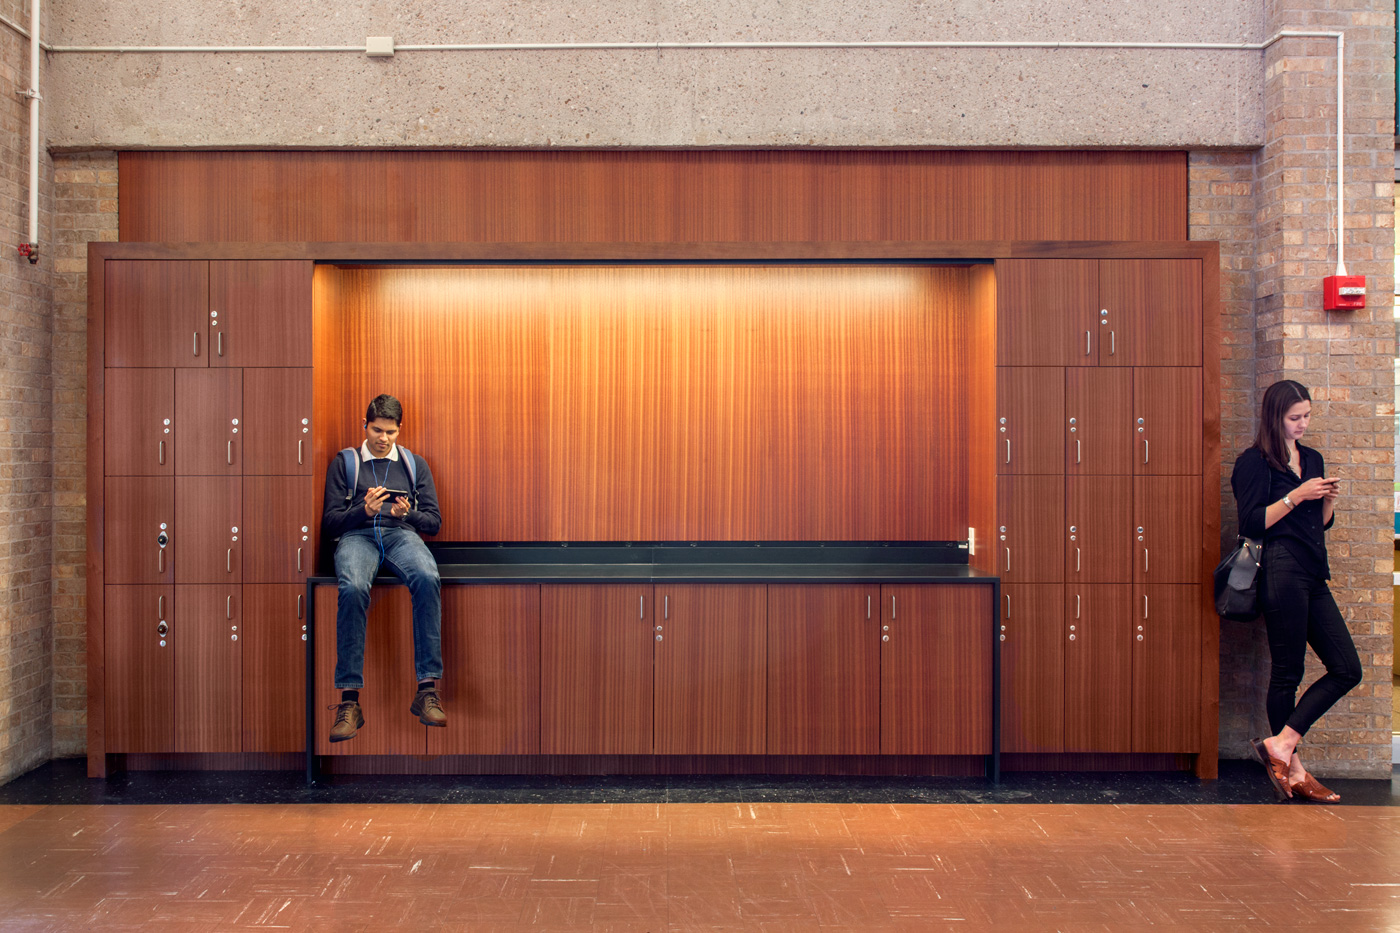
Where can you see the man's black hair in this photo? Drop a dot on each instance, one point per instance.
(385, 406)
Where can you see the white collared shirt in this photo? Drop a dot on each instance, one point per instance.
(365, 455)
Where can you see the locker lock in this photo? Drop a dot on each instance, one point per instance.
(162, 539)
(162, 629)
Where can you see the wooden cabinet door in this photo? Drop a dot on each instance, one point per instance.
(1030, 529)
(208, 516)
(1098, 668)
(209, 412)
(157, 313)
(1033, 668)
(823, 670)
(140, 663)
(1030, 419)
(388, 674)
(1154, 307)
(273, 636)
(260, 313)
(1098, 529)
(208, 669)
(1047, 312)
(1167, 529)
(490, 685)
(138, 422)
(137, 511)
(1167, 421)
(1098, 421)
(277, 421)
(278, 514)
(1166, 668)
(936, 670)
(596, 670)
(710, 645)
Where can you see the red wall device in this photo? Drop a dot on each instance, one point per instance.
(1343, 292)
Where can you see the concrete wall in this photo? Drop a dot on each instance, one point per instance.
(936, 98)
(1259, 128)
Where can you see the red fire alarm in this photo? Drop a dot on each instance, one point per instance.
(1343, 292)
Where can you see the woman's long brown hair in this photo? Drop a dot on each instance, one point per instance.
(1269, 439)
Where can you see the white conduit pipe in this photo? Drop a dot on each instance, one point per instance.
(1338, 36)
(31, 248)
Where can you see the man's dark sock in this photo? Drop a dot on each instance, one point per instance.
(347, 696)
(426, 685)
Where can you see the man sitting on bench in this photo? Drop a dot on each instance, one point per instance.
(379, 499)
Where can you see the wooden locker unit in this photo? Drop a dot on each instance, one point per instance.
(1166, 421)
(491, 671)
(259, 313)
(1166, 668)
(1097, 421)
(273, 641)
(140, 509)
(935, 670)
(277, 422)
(1047, 312)
(1154, 311)
(1098, 529)
(140, 661)
(596, 669)
(209, 410)
(209, 517)
(156, 313)
(1030, 419)
(1033, 648)
(710, 645)
(1030, 545)
(140, 422)
(208, 689)
(823, 669)
(279, 514)
(1098, 668)
(1167, 529)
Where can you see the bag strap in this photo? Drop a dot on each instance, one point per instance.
(351, 456)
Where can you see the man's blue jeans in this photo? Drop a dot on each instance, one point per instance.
(357, 560)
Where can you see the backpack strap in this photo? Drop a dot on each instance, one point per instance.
(411, 464)
(351, 456)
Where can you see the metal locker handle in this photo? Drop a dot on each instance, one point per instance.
(228, 561)
(1144, 560)
(1008, 560)
(894, 614)
(196, 343)
(160, 608)
(1008, 605)
(230, 453)
(1144, 605)
(1076, 605)
(1146, 450)
(228, 608)
(1086, 343)
(299, 612)
(867, 605)
(666, 607)
(298, 560)
(160, 563)
(641, 614)
(162, 453)
(221, 343)
(1076, 560)
(1008, 450)
(1112, 343)
(299, 446)
(1078, 451)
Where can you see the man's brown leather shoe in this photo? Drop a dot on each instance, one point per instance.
(348, 720)
(428, 708)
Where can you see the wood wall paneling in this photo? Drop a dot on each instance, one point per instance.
(490, 686)
(139, 417)
(208, 419)
(823, 670)
(1033, 668)
(156, 313)
(710, 649)
(980, 379)
(208, 519)
(140, 669)
(596, 669)
(277, 437)
(656, 196)
(935, 670)
(389, 679)
(137, 509)
(274, 667)
(275, 534)
(257, 313)
(208, 697)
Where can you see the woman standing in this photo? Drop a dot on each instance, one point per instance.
(1285, 500)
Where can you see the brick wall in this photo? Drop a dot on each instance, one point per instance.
(26, 427)
(85, 198)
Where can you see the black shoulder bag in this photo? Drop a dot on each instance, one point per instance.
(1237, 582)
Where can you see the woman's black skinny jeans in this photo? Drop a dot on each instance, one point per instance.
(1300, 611)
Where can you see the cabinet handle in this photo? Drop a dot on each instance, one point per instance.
(160, 560)
(228, 608)
(867, 606)
(228, 561)
(1086, 343)
(1008, 560)
(230, 453)
(1078, 451)
(1144, 560)
(299, 611)
(1112, 343)
(298, 560)
(162, 453)
(299, 446)
(221, 343)
(160, 608)
(665, 607)
(1076, 560)
(640, 613)
(1146, 450)
(1144, 605)
(196, 343)
(1076, 605)
(1008, 450)
(1008, 605)
(894, 607)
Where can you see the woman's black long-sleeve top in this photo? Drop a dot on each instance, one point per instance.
(1257, 485)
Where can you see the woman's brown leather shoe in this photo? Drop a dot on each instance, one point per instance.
(1309, 789)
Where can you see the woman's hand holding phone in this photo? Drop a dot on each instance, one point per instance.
(1319, 487)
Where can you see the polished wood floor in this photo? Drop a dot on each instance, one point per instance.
(654, 867)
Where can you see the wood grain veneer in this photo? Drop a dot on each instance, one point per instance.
(1031, 419)
(1098, 668)
(157, 313)
(980, 376)
(208, 698)
(1167, 419)
(657, 196)
(1155, 310)
(1100, 441)
(139, 416)
(1047, 312)
(95, 518)
(1031, 509)
(274, 667)
(258, 313)
(208, 418)
(278, 514)
(138, 707)
(1166, 669)
(1100, 547)
(1168, 511)
(1033, 668)
(276, 422)
(208, 522)
(135, 509)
